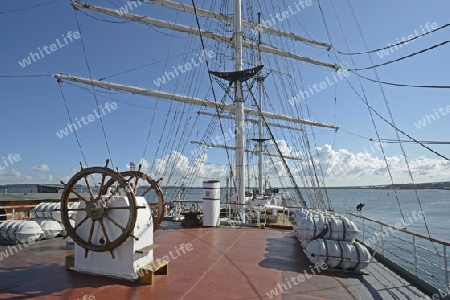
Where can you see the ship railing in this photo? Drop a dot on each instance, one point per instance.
(182, 206)
(19, 212)
(254, 213)
(233, 209)
(12, 214)
(424, 256)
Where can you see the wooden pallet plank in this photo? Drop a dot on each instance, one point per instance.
(70, 261)
(147, 273)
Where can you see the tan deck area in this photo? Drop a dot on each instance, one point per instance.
(244, 263)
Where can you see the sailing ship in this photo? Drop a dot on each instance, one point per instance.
(232, 98)
(237, 80)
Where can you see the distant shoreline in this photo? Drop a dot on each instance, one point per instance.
(405, 186)
(402, 186)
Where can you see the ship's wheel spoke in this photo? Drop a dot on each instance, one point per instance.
(81, 223)
(103, 181)
(91, 232)
(135, 185)
(78, 195)
(100, 189)
(86, 180)
(104, 231)
(118, 225)
(120, 207)
(146, 191)
(153, 186)
(115, 222)
(130, 183)
(113, 193)
(136, 180)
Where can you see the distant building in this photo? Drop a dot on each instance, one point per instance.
(50, 188)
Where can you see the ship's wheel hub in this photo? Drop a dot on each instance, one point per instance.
(96, 209)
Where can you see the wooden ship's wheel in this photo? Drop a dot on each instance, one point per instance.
(133, 177)
(98, 210)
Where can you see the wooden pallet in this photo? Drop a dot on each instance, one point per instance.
(148, 272)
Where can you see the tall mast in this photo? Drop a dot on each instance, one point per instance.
(260, 121)
(239, 103)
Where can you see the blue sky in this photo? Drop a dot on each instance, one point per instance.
(34, 110)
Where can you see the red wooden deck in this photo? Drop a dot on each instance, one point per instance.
(244, 263)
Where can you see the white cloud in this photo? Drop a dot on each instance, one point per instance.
(10, 173)
(41, 168)
(12, 176)
(175, 168)
(283, 146)
(341, 167)
(346, 168)
(27, 178)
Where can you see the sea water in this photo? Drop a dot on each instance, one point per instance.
(393, 207)
(382, 204)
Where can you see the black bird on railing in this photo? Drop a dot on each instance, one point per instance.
(359, 206)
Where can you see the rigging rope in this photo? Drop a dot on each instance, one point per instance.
(152, 118)
(155, 28)
(170, 146)
(213, 122)
(93, 89)
(335, 93)
(387, 104)
(24, 76)
(288, 170)
(191, 173)
(147, 65)
(281, 89)
(70, 119)
(369, 110)
(315, 169)
(402, 85)
(306, 171)
(403, 57)
(395, 127)
(392, 121)
(394, 45)
(410, 141)
(26, 8)
(319, 197)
